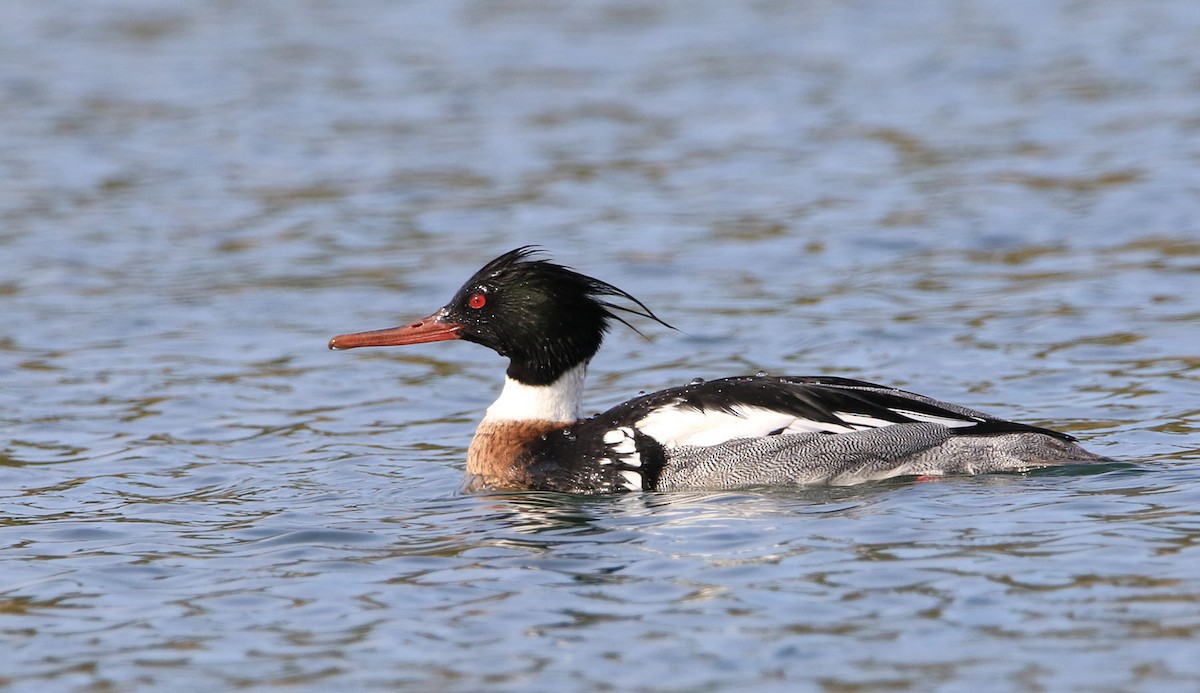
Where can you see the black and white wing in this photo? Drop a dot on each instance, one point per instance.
(742, 430)
(715, 412)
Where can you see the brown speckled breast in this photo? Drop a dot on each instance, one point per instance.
(497, 457)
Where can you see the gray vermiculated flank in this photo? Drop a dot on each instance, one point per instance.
(881, 453)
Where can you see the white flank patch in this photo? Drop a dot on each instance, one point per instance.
(558, 401)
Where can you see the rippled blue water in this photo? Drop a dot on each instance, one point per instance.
(994, 203)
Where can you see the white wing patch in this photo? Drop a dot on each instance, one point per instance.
(945, 421)
(674, 425)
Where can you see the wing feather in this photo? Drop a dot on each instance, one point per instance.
(718, 411)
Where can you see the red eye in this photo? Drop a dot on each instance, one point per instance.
(477, 300)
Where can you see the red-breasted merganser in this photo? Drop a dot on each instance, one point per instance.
(745, 431)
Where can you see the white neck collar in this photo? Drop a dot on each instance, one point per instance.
(557, 402)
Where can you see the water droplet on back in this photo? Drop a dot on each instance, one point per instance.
(696, 381)
(761, 374)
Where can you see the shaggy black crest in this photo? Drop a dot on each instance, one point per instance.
(546, 318)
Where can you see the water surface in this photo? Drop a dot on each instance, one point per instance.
(991, 203)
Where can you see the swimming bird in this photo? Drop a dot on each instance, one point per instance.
(738, 432)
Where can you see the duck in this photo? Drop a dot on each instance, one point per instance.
(736, 432)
